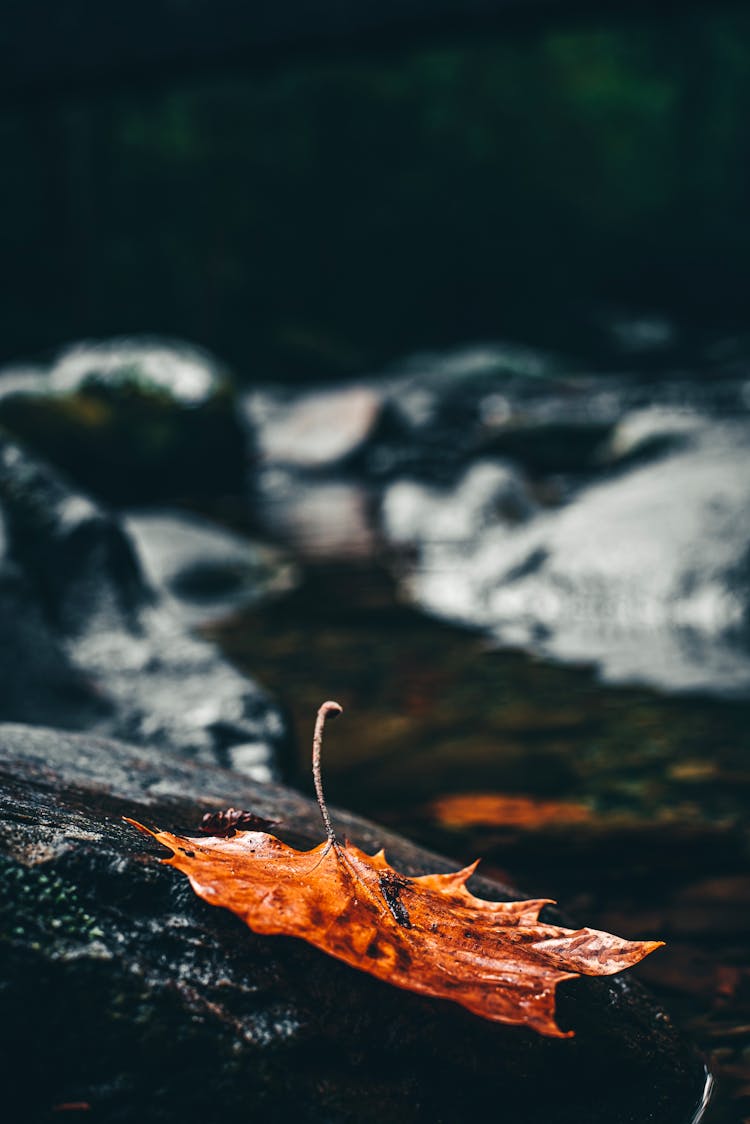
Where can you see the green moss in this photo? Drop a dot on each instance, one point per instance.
(36, 906)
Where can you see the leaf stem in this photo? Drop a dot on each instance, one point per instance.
(332, 709)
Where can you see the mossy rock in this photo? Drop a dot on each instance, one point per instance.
(133, 420)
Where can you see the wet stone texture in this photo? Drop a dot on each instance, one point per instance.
(149, 1004)
(89, 643)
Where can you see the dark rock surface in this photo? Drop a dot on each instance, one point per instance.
(134, 420)
(88, 643)
(150, 1005)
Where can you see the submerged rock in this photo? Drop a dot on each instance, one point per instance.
(150, 1004)
(131, 419)
(207, 571)
(90, 644)
(644, 573)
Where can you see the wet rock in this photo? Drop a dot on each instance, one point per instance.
(445, 410)
(319, 430)
(310, 490)
(649, 432)
(442, 411)
(90, 644)
(131, 419)
(149, 1004)
(433, 414)
(37, 681)
(644, 573)
(489, 491)
(207, 571)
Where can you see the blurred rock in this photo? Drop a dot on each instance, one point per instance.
(644, 574)
(649, 432)
(207, 571)
(444, 410)
(149, 1004)
(489, 491)
(321, 519)
(319, 430)
(488, 360)
(88, 643)
(132, 420)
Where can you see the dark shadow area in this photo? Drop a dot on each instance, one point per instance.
(322, 216)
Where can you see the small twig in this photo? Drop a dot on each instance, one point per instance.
(333, 709)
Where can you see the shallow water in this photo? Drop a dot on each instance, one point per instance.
(627, 805)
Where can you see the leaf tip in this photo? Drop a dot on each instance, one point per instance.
(139, 826)
(467, 871)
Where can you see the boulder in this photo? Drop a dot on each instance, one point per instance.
(123, 993)
(133, 420)
(315, 431)
(643, 572)
(88, 643)
(487, 492)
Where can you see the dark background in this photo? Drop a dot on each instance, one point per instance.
(321, 213)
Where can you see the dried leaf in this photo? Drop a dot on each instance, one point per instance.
(427, 934)
(233, 819)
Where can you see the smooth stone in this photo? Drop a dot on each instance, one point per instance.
(318, 430)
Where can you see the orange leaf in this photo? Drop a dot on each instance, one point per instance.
(490, 809)
(427, 934)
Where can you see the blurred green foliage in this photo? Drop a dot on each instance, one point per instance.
(329, 215)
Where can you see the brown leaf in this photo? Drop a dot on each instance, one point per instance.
(427, 934)
(231, 820)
